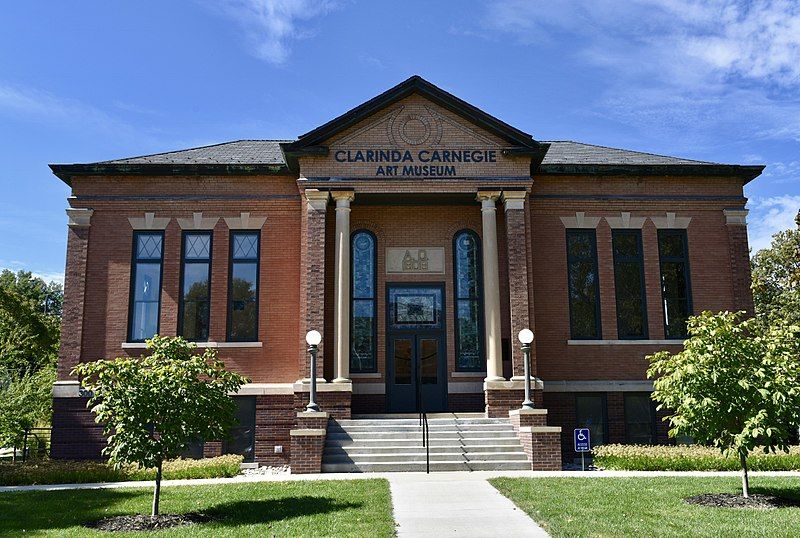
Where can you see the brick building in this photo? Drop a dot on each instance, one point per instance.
(419, 235)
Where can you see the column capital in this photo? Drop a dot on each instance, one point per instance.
(317, 199)
(343, 196)
(484, 196)
(79, 218)
(736, 216)
(514, 199)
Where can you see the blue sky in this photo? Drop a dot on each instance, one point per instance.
(84, 81)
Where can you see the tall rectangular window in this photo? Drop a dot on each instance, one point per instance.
(640, 418)
(468, 313)
(590, 412)
(145, 302)
(584, 289)
(676, 293)
(195, 302)
(363, 310)
(629, 284)
(243, 287)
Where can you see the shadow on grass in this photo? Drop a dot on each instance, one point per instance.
(784, 493)
(256, 512)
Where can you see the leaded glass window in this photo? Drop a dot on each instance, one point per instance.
(148, 256)
(363, 321)
(676, 291)
(243, 287)
(629, 284)
(469, 322)
(195, 300)
(584, 288)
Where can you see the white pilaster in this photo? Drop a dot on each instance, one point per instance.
(341, 271)
(491, 285)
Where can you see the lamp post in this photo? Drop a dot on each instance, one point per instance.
(526, 337)
(313, 338)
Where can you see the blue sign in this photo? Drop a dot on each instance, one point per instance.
(582, 440)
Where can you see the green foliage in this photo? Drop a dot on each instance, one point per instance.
(25, 402)
(689, 458)
(151, 407)
(776, 278)
(30, 312)
(84, 472)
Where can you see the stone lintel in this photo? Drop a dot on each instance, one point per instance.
(308, 432)
(540, 429)
(671, 221)
(313, 414)
(245, 222)
(198, 222)
(149, 222)
(525, 411)
(580, 220)
(513, 384)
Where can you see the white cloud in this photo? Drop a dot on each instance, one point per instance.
(769, 216)
(48, 276)
(271, 25)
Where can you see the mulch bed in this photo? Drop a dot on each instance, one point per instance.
(732, 500)
(146, 523)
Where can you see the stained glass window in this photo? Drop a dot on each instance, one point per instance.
(676, 291)
(243, 290)
(363, 321)
(469, 322)
(145, 285)
(195, 300)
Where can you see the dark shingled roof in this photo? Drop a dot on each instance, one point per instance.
(569, 152)
(237, 152)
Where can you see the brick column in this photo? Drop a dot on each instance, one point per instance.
(308, 442)
(74, 290)
(519, 300)
(736, 220)
(312, 281)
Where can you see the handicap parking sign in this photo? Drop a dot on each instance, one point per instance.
(582, 440)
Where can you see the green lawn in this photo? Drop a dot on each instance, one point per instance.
(312, 508)
(649, 506)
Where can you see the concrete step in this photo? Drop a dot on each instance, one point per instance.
(394, 449)
(344, 435)
(420, 457)
(415, 428)
(415, 421)
(398, 466)
(367, 442)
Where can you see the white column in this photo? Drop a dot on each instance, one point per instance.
(341, 297)
(491, 286)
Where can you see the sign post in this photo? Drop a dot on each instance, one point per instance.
(583, 443)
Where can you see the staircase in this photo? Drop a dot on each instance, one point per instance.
(389, 443)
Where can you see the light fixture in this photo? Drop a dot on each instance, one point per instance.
(313, 338)
(525, 336)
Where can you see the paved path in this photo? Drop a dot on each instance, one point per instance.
(455, 504)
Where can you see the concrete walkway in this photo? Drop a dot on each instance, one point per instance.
(455, 504)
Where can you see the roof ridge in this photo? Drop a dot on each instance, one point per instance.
(636, 151)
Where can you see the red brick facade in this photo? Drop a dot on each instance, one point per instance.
(296, 276)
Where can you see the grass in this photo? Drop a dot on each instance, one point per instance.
(82, 472)
(644, 506)
(307, 508)
(689, 458)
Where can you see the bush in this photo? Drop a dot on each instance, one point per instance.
(82, 472)
(689, 458)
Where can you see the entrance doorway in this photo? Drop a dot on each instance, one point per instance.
(416, 358)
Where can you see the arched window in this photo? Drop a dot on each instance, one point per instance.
(363, 319)
(468, 297)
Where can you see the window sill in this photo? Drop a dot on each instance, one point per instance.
(625, 342)
(366, 375)
(480, 375)
(142, 345)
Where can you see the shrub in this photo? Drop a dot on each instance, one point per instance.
(82, 472)
(689, 458)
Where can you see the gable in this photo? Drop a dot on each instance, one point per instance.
(415, 138)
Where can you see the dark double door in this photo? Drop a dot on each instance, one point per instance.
(416, 353)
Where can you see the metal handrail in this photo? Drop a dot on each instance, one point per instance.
(423, 422)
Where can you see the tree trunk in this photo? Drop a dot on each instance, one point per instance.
(157, 491)
(745, 478)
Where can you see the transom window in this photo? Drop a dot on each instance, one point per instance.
(148, 257)
(629, 284)
(195, 304)
(675, 286)
(468, 312)
(584, 288)
(243, 287)
(363, 322)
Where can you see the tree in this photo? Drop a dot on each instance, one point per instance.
(735, 386)
(776, 277)
(25, 402)
(30, 311)
(151, 407)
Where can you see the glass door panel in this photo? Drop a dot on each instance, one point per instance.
(403, 359)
